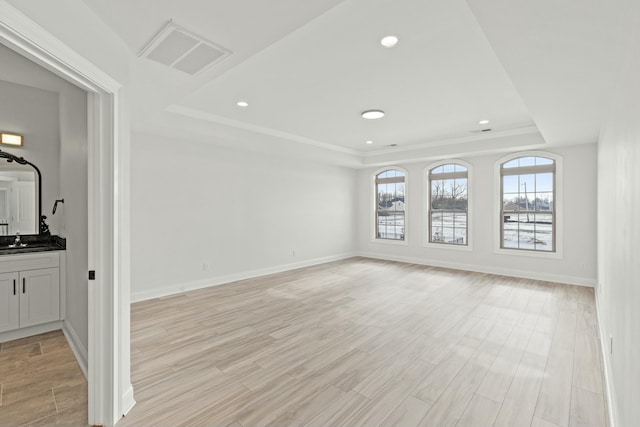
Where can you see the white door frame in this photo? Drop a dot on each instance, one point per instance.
(110, 392)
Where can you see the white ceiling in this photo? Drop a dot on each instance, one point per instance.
(538, 70)
(560, 56)
(440, 80)
(243, 26)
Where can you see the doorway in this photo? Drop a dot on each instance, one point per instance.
(110, 391)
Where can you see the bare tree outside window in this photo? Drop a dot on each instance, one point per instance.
(448, 204)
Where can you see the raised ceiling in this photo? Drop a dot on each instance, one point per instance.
(539, 72)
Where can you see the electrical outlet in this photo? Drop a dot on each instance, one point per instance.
(205, 267)
(293, 252)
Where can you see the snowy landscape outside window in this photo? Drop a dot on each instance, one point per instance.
(448, 204)
(390, 201)
(528, 208)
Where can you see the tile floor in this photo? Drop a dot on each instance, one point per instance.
(41, 383)
(369, 343)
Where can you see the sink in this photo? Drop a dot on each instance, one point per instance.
(27, 245)
(18, 246)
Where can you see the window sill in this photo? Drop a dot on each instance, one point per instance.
(448, 247)
(390, 242)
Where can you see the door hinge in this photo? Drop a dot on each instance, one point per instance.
(92, 275)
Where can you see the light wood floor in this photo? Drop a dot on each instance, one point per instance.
(366, 343)
(41, 383)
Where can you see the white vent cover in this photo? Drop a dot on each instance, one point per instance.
(183, 50)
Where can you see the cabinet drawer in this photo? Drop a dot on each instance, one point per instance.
(32, 261)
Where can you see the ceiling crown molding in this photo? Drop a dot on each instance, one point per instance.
(437, 142)
(476, 144)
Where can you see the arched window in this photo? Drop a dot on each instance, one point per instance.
(528, 212)
(390, 205)
(448, 201)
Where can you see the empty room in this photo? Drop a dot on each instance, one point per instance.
(320, 213)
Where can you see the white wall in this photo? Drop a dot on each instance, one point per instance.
(578, 264)
(240, 213)
(618, 295)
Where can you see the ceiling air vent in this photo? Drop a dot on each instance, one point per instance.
(183, 50)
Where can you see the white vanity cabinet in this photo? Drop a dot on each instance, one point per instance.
(29, 290)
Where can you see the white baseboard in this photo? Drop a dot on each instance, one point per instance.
(29, 331)
(137, 296)
(76, 346)
(558, 278)
(128, 402)
(606, 365)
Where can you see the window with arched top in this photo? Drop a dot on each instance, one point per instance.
(448, 204)
(528, 203)
(390, 193)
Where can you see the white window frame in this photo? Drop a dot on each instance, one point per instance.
(374, 207)
(558, 226)
(426, 236)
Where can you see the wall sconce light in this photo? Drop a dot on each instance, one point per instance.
(12, 139)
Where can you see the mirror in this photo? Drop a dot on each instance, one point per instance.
(20, 199)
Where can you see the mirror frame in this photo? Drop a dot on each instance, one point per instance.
(42, 227)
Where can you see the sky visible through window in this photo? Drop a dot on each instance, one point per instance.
(528, 204)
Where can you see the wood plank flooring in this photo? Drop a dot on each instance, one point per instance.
(41, 383)
(363, 342)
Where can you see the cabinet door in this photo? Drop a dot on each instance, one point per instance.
(39, 296)
(9, 295)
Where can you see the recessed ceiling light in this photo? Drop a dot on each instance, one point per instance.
(483, 122)
(368, 142)
(389, 41)
(242, 104)
(372, 114)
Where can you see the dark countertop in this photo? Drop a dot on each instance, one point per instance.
(34, 243)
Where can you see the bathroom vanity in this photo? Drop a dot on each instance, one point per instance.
(30, 292)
